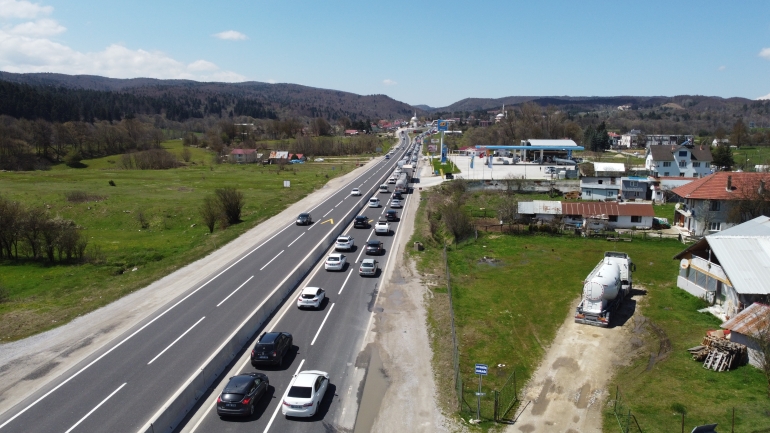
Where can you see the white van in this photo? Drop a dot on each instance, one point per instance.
(384, 188)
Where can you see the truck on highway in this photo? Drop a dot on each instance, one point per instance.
(408, 169)
(605, 288)
(402, 184)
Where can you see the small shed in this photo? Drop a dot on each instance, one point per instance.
(749, 326)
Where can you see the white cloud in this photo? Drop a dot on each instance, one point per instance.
(389, 82)
(271, 81)
(22, 9)
(722, 68)
(765, 97)
(230, 35)
(765, 53)
(26, 47)
(39, 28)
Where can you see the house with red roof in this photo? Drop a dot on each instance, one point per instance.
(244, 156)
(721, 200)
(615, 215)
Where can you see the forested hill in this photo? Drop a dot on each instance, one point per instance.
(59, 97)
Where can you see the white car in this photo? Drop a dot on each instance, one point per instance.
(396, 203)
(305, 393)
(311, 297)
(355, 191)
(368, 267)
(374, 202)
(392, 180)
(335, 262)
(382, 228)
(344, 243)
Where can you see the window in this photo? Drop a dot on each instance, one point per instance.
(633, 183)
(695, 175)
(612, 181)
(682, 164)
(587, 193)
(665, 173)
(637, 193)
(600, 181)
(715, 227)
(611, 192)
(667, 164)
(613, 218)
(681, 174)
(683, 153)
(715, 205)
(636, 219)
(695, 164)
(707, 164)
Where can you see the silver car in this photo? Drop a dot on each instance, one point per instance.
(368, 268)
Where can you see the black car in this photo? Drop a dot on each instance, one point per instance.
(374, 247)
(397, 195)
(304, 219)
(241, 394)
(361, 222)
(271, 347)
(391, 215)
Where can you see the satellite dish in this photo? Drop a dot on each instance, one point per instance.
(684, 264)
(678, 206)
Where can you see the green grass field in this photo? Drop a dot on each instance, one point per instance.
(44, 296)
(508, 311)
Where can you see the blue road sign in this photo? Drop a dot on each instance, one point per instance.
(481, 369)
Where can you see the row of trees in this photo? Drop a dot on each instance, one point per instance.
(31, 233)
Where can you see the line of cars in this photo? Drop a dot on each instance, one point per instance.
(307, 388)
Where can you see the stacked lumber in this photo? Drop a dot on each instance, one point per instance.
(718, 354)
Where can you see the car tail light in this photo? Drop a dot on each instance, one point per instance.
(246, 400)
(274, 353)
(308, 404)
(252, 353)
(219, 399)
(286, 404)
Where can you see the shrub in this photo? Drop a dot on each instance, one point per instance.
(73, 158)
(81, 197)
(112, 183)
(211, 212)
(231, 203)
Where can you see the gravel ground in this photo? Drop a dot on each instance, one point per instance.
(569, 388)
(29, 364)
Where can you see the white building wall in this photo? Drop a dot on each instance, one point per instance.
(624, 222)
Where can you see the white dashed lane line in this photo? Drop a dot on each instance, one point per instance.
(271, 260)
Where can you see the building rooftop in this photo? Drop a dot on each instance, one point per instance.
(714, 187)
(753, 318)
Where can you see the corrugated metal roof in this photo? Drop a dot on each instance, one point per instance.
(744, 253)
(540, 207)
(608, 208)
(753, 318)
(609, 166)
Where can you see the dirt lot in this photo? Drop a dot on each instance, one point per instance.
(568, 391)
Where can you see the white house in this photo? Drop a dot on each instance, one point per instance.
(601, 180)
(730, 269)
(682, 161)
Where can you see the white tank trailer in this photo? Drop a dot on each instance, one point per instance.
(605, 288)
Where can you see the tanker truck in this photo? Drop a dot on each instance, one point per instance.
(604, 289)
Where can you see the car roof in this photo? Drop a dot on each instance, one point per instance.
(346, 237)
(361, 217)
(307, 378)
(373, 242)
(338, 255)
(304, 214)
(268, 337)
(310, 290)
(367, 261)
(391, 211)
(238, 384)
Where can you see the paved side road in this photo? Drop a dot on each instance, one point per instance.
(28, 365)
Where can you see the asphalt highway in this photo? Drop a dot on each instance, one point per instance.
(120, 387)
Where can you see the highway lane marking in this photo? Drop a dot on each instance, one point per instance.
(346, 281)
(239, 288)
(177, 339)
(94, 409)
(322, 324)
(327, 213)
(338, 204)
(363, 248)
(280, 403)
(214, 401)
(271, 260)
(295, 240)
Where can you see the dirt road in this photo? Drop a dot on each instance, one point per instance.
(569, 388)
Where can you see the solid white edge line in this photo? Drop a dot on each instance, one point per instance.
(214, 401)
(239, 288)
(295, 240)
(175, 341)
(322, 325)
(271, 260)
(94, 409)
(280, 403)
(346, 281)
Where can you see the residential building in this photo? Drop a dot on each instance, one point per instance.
(667, 139)
(244, 156)
(277, 155)
(615, 215)
(682, 161)
(540, 210)
(600, 180)
(729, 269)
(630, 139)
(709, 203)
(636, 188)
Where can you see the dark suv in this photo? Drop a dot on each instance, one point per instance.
(374, 247)
(241, 394)
(391, 215)
(271, 348)
(397, 195)
(361, 222)
(304, 219)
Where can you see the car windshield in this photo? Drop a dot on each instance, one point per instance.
(367, 265)
(300, 392)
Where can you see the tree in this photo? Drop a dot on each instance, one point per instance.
(73, 158)
(231, 203)
(211, 212)
(753, 200)
(722, 157)
(739, 134)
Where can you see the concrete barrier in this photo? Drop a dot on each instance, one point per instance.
(168, 417)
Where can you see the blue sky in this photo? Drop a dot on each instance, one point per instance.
(419, 52)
